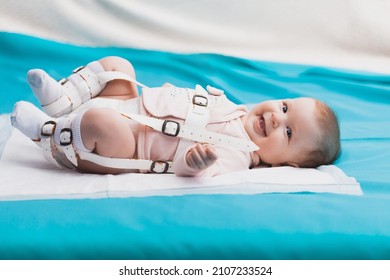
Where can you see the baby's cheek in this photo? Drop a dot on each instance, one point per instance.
(274, 142)
(272, 150)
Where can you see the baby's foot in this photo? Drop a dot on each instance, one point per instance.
(45, 88)
(28, 119)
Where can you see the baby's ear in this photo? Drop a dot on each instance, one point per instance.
(292, 164)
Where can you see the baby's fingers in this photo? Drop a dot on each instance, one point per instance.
(210, 152)
(194, 159)
(207, 154)
(201, 156)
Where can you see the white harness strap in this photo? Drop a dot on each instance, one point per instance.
(197, 115)
(66, 139)
(158, 166)
(47, 132)
(174, 129)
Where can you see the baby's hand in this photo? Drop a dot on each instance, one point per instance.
(201, 156)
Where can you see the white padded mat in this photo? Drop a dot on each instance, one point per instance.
(26, 175)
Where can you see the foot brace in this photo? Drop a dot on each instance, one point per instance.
(63, 137)
(84, 84)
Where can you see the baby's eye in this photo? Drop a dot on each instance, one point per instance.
(288, 132)
(285, 108)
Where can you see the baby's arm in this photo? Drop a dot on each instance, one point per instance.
(201, 156)
(197, 160)
(216, 160)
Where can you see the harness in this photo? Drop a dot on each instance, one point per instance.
(192, 130)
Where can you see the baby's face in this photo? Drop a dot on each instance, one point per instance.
(283, 129)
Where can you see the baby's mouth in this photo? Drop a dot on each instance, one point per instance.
(263, 130)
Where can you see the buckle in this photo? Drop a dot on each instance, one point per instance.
(200, 100)
(78, 69)
(48, 128)
(63, 81)
(66, 137)
(159, 166)
(170, 128)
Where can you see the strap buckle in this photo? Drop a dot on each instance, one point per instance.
(63, 81)
(66, 137)
(170, 128)
(78, 69)
(48, 128)
(159, 166)
(200, 100)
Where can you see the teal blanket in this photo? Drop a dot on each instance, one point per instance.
(267, 226)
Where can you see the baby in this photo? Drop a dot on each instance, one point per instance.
(95, 121)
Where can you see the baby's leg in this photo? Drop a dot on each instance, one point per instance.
(108, 134)
(60, 98)
(101, 131)
(119, 89)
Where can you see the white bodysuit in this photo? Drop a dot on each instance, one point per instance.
(171, 104)
(225, 118)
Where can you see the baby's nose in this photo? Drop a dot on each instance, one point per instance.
(276, 119)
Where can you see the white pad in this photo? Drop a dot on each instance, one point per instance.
(22, 156)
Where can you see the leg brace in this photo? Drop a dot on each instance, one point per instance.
(77, 91)
(52, 149)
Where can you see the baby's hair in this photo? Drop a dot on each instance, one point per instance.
(328, 147)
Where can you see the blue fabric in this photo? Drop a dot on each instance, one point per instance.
(267, 226)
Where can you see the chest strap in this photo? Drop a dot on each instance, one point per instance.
(174, 129)
(197, 115)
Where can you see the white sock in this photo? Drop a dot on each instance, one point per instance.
(45, 88)
(28, 119)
